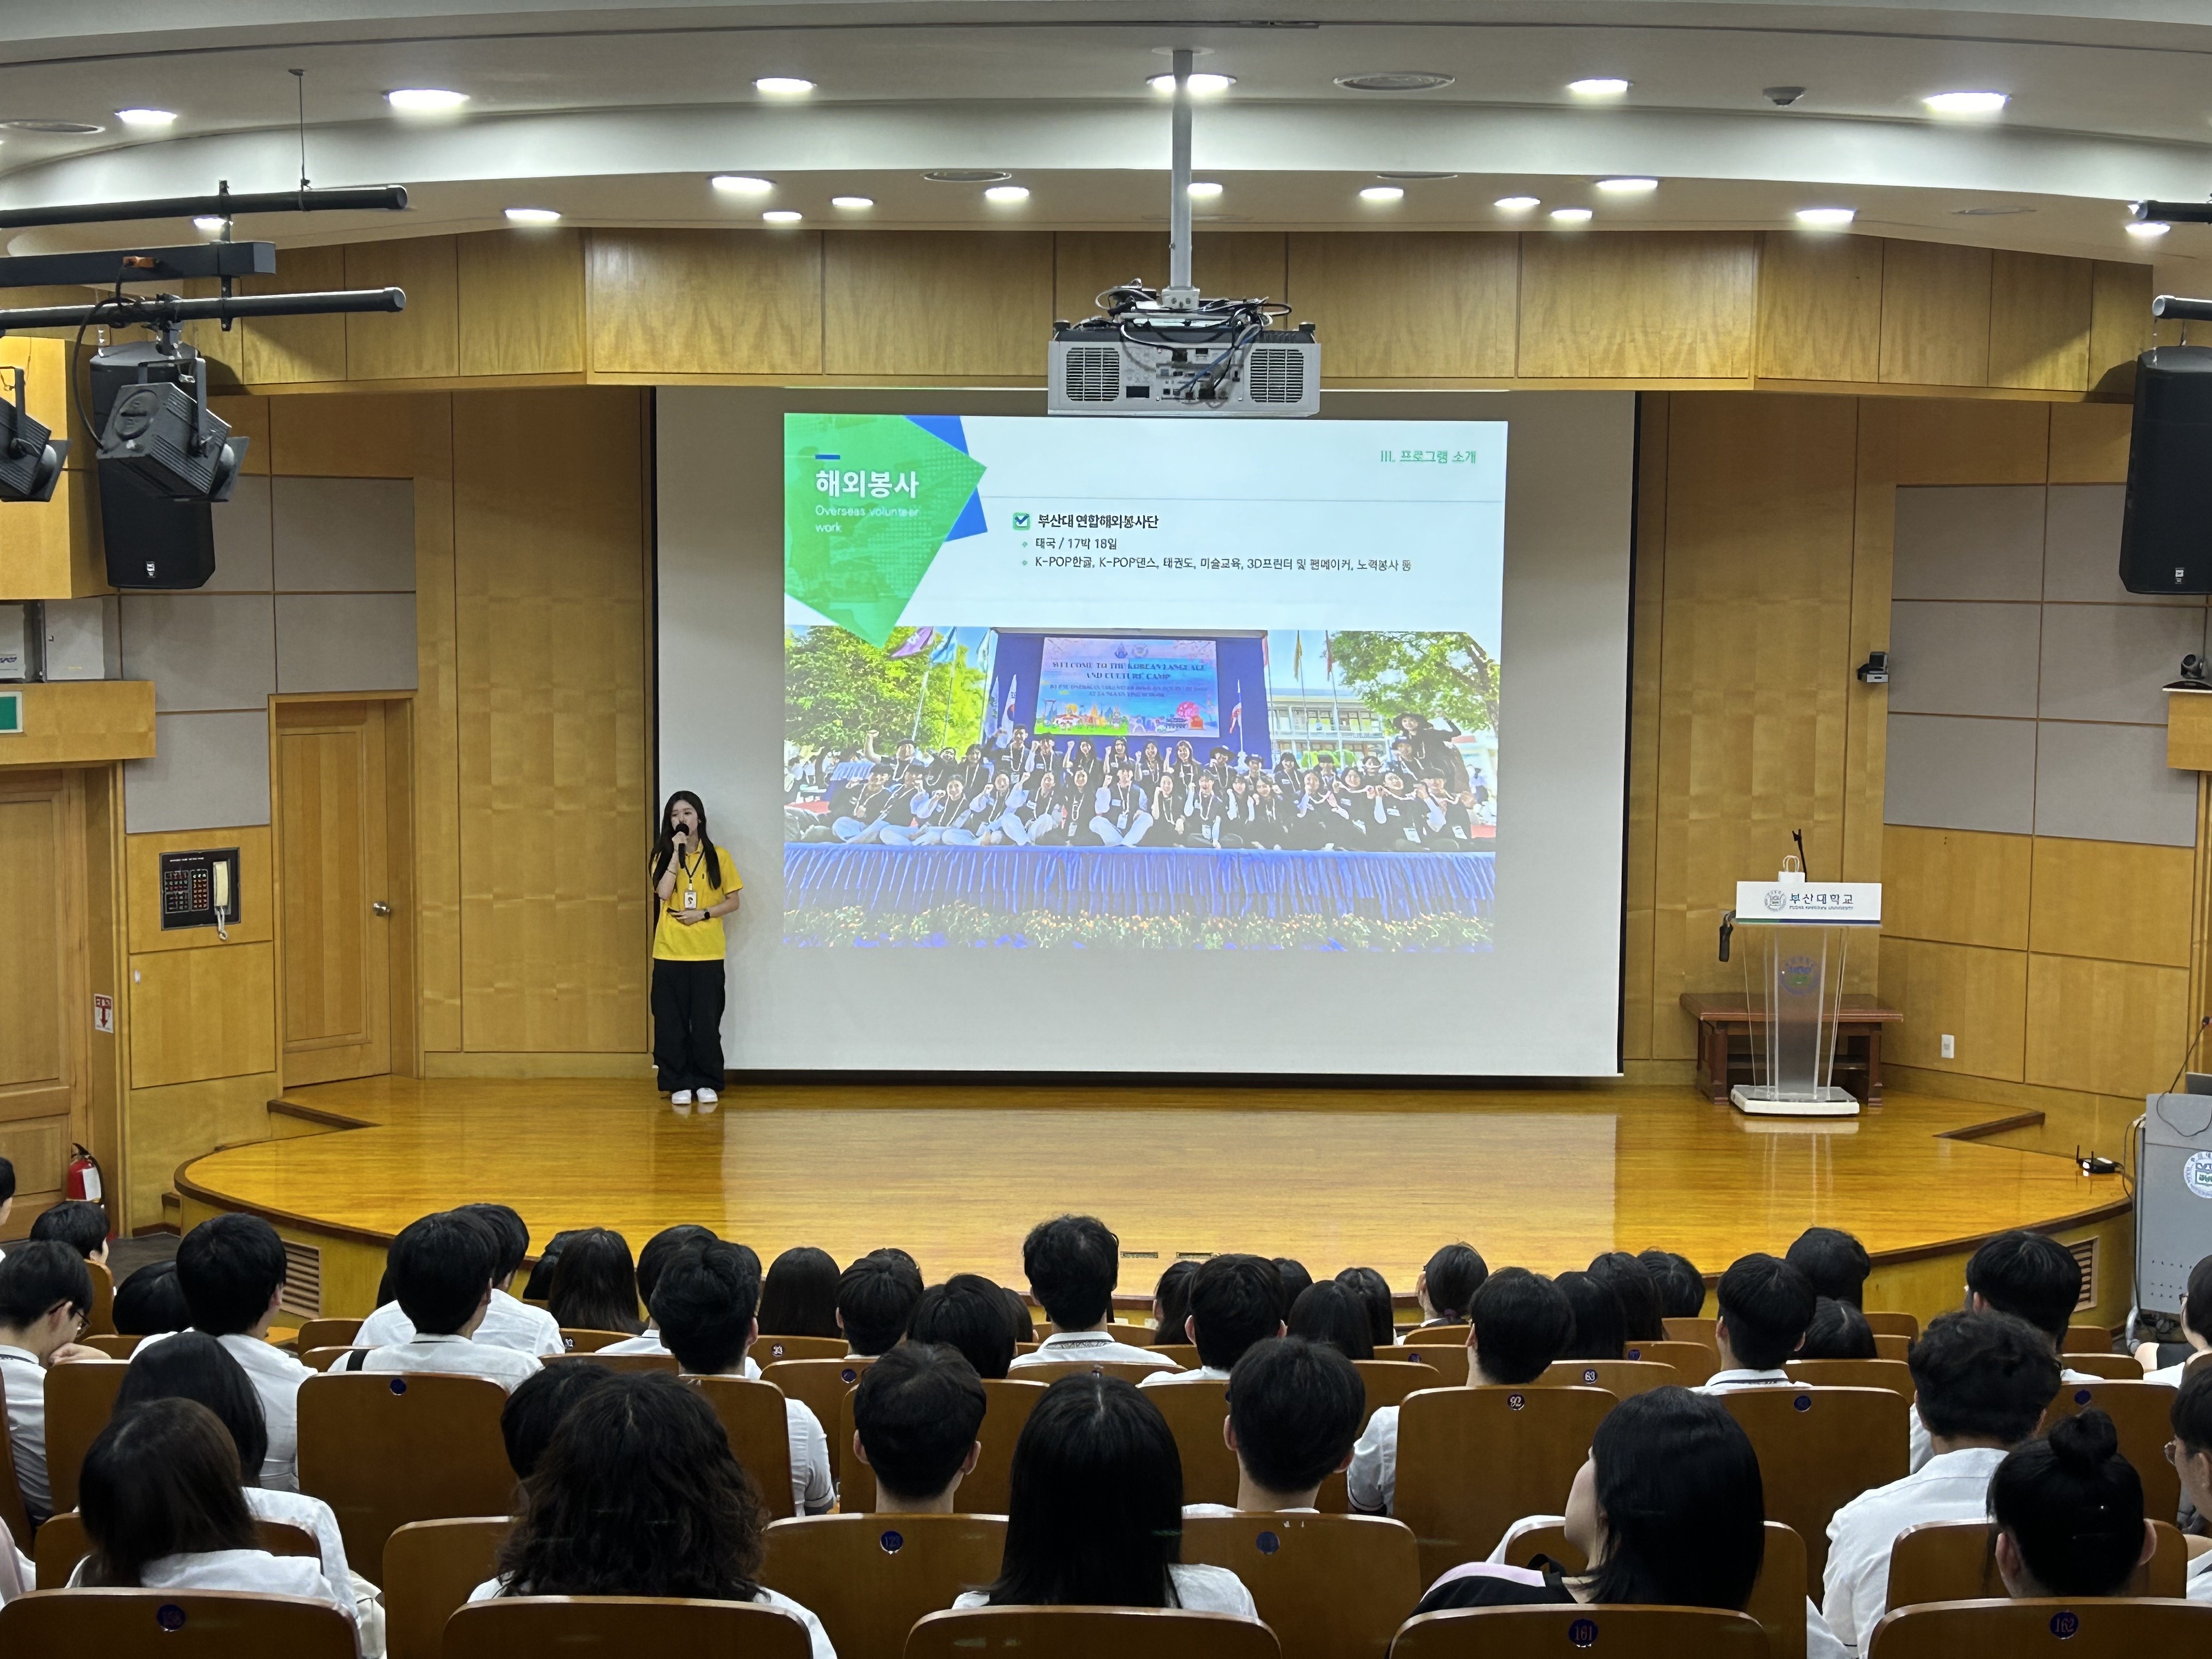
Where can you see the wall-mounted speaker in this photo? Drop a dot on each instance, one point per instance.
(153, 540)
(2166, 543)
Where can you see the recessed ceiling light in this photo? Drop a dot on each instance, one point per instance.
(783, 215)
(1201, 82)
(1826, 217)
(1007, 193)
(1571, 216)
(1203, 189)
(533, 215)
(210, 223)
(1600, 86)
(783, 85)
(1966, 103)
(420, 100)
(146, 117)
(742, 184)
(1394, 80)
(2148, 228)
(1628, 186)
(57, 128)
(967, 176)
(1383, 193)
(1517, 203)
(852, 201)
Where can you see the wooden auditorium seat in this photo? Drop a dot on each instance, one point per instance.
(768, 1349)
(121, 1624)
(1129, 1371)
(856, 1481)
(1693, 1330)
(1893, 1374)
(2112, 1367)
(1621, 1378)
(1089, 1633)
(327, 1334)
(321, 1359)
(63, 1543)
(1389, 1381)
(987, 1487)
(2141, 1412)
(2086, 1338)
(80, 1399)
(1818, 1448)
(101, 1321)
(1471, 1462)
(578, 1339)
(383, 1449)
(1887, 1346)
(1447, 1360)
(629, 1364)
(1694, 1363)
(1777, 1598)
(1195, 1413)
(1560, 1633)
(578, 1626)
(1182, 1355)
(115, 1347)
(429, 1568)
(1954, 1561)
(869, 1578)
(1894, 1324)
(821, 1386)
(753, 1415)
(1329, 1586)
(2090, 1628)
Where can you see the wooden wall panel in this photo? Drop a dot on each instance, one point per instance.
(1955, 886)
(1934, 314)
(202, 1014)
(249, 416)
(678, 302)
(142, 867)
(172, 1125)
(276, 350)
(1977, 995)
(1628, 303)
(2089, 442)
(395, 434)
(2114, 1027)
(2119, 324)
(551, 682)
(2118, 900)
(521, 301)
(1820, 306)
(932, 302)
(423, 341)
(436, 738)
(2039, 321)
(1959, 440)
(1409, 306)
(37, 1069)
(1238, 262)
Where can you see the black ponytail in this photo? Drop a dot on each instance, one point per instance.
(2075, 1507)
(663, 842)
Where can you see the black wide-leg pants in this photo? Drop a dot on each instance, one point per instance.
(687, 1023)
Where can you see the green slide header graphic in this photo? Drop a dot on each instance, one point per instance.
(868, 499)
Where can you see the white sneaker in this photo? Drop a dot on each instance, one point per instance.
(707, 1096)
(681, 1098)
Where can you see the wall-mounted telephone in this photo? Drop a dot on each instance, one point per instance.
(200, 890)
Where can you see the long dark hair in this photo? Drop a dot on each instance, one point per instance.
(799, 1297)
(1173, 1294)
(1685, 1513)
(2075, 1507)
(1372, 1288)
(1333, 1313)
(595, 1283)
(664, 843)
(193, 1365)
(1094, 1515)
(638, 1494)
(160, 1481)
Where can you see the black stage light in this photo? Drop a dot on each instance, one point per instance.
(149, 402)
(31, 457)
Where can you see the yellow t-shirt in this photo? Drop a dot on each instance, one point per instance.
(698, 941)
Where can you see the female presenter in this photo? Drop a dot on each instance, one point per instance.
(695, 886)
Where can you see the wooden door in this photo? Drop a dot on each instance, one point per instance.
(45, 1008)
(334, 876)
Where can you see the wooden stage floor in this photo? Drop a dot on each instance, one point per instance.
(1544, 1179)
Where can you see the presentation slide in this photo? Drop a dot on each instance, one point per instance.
(1144, 744)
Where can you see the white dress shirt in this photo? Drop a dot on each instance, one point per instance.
(454, 1355)
(25, 1380)
(276, 1376)
(1917, 1432)
(508, 1323)
(1062, 1346)
(1954, 1486)
(763, 1597)
(812, 1491)
(1372, 1479)
(1203, 1374)
(255, 1571)
(1199, 1511)
(1197, 1589)
(311, 1515)
(2200, 1577)
(1730, 1381)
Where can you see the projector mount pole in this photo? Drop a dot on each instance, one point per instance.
(1180, 294)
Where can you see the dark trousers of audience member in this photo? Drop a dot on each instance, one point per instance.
(687, 1024)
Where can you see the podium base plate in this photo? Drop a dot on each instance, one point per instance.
(1764, 1100)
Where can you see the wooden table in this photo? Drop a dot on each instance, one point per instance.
(1725, 1015)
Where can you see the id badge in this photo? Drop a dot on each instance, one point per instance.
(690, 898)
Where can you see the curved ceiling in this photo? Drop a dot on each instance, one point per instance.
(619, 112)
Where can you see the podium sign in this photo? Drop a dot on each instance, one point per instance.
(1794, 987)
(1824, 905)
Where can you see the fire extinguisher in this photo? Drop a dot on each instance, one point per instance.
(84, 1180)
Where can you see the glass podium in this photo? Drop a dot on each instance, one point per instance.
(1794, 988)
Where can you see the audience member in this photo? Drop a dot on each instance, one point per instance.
(875, 1297)
(7, 1195)
(2190, 1451)
(1295, 1280)
(1983, 1380)
(1519, 1324)
(151, 1301)
(509, 1321)
(1448, 1283)
(1601, 1329)
(915, 1420)
(2160, 1366)
(1334, 1314)
(1095, 1512)
(1171, 1302)
(1681, 1286)
(1642, 1317)
(1072, 1263)
(1017, 1308)
(1833, 1262)
(537, 1406)
(440, 1270)
(1374, 1293)
(78, 1223)
(595, 1284)
(1764, 1306)
(967, 1312)
(799, 1297)
(1294, 1412)
(1839, 1331)
(656, 1255)
(638, 1494)
(1234, 1301)
(2068, 1511)
(705, 1302)
(45, 1293)
(231, 1270)
(540, 1286)
(164, 1508)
